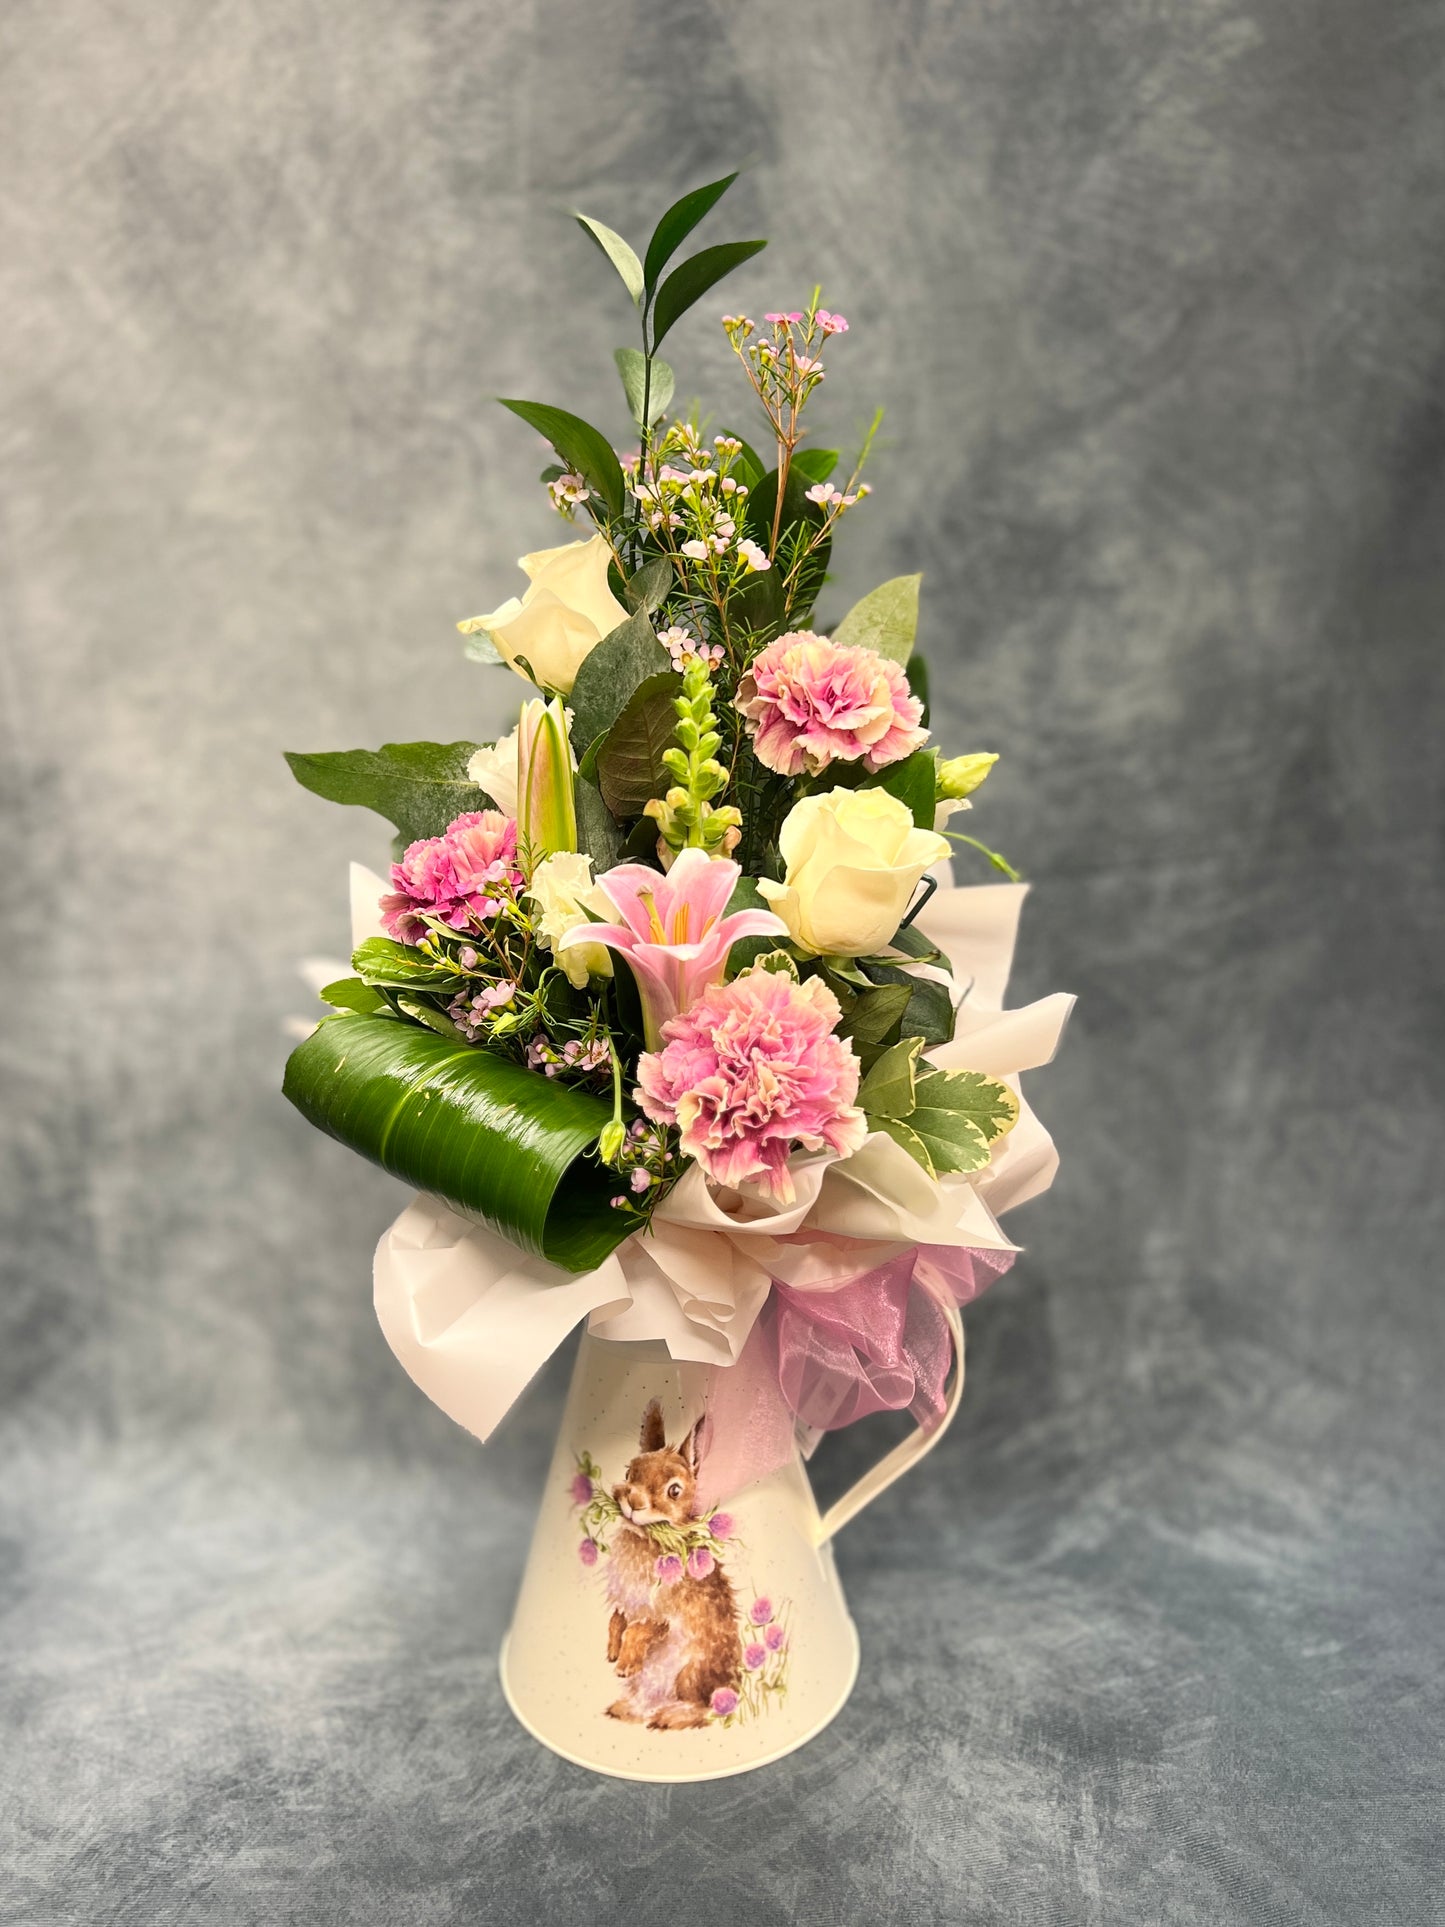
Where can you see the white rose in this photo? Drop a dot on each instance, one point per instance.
(563, 616)
(494, 769)
(563, 891)
(853, 860)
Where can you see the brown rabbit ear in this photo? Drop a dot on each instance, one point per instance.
(695, 1447)
(654, 1434)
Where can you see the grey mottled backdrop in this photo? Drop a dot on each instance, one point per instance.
(1154, 298)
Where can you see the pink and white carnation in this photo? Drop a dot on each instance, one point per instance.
(811, 701)
(458, 877)
(751, 1072)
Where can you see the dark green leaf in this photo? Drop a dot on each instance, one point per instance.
(599, 835)
(929, 1012)
(401, 966)
(418, 787)
(475, 1129)
(632, 366)
(815, 464)
(747, 950)
(801, 517)
(914, 782)
(618, 253)
(678, 222)
(876, 1013)
(645, 592)
(691, 281)
(752, 468)
(630, 769)
(350, 993)
(916, 670)
(608, 676)
(581, 447)
(913, 943)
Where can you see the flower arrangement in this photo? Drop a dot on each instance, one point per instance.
(652, 965)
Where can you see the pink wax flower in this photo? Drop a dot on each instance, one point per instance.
(581, 1489)
(720, 1525)
(668, 1568)
(750, 1071)
(587, 1552)
(774, 1638)
(812, 702)
(831, 324)
(754, 1656)
(455, 877)
(762, 1612)
(700, 1562)
(724, 1702)
(673, 931)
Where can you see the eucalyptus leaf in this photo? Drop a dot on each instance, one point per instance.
(479, 646)
(618, 252)
(632, 366)
(886, 620)
(645, 592)
(959, 1115)
(630, 769)
(350, 993)
(678, 222)
(599, 835)
(493, 1139)
(629, 655)
(418, 787)
(581, 446)
(887, 1090)
(689, 283)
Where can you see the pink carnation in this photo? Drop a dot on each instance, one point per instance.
(453, 876)
(812, 702)
(751, 1070)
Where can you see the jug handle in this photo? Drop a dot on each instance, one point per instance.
(904, 1455)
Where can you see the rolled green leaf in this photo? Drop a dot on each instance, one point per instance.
(491, 1138)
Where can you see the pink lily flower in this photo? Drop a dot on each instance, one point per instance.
(673, 932)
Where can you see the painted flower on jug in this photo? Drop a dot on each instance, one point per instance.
(750, 1072)
(724, 1702)
(811, 701)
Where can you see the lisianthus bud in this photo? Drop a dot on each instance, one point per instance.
(610, 1140)
(960, 776)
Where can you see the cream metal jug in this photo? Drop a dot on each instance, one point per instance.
(658, 1639)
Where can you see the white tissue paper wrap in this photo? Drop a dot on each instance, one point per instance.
(472, 1318)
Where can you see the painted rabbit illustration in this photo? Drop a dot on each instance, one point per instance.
(674, 1640)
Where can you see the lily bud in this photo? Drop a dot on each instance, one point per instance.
(546, 807)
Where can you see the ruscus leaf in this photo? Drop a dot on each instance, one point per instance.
(689, 283)
(618, 252)
(632, 366)
(581, 446)
(678, 222)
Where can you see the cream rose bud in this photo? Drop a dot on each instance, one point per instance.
(563, 892)
(563, 616)
(853, 860)
(494, 769)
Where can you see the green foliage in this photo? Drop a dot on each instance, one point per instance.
(350, 993)
(618, 253)
(814, 464)
(645, 592)
(418, 787)
(916, 670)
(886, 620)
(599, 835)
(403, 966)
(888, 1089)
(876, 1013)
(632, 366)
(959, 1115)
(929, 1011)
(582, 447)
(629, 764)
(609, 675)
(689, 283)
(913, 782)
(491, 1138)
(801, 520)
(678, 222)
